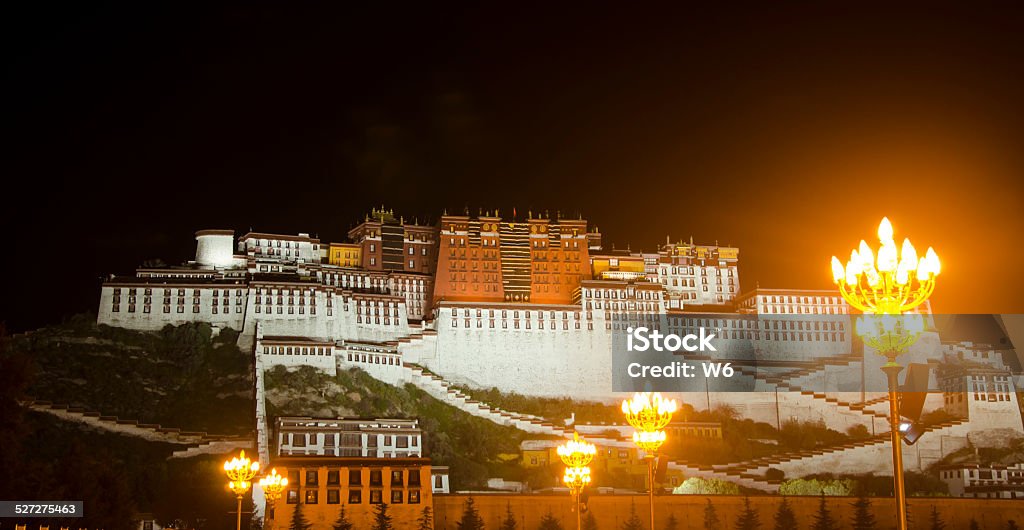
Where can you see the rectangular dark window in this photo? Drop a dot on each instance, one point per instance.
(332, 478)
(355, 477)
(311, 478)
(414, 477)
(355, 496)
(376, 478)
(293, 477)
(293, 497)
(396, 478)
(396, 496)
(376, 496)
(333, 497)
(414, 497)
(311, 496)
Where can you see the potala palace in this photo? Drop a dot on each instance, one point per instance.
(530, 305)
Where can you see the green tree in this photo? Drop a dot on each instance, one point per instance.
(426, 520)
(974, 524)
(299, 521)
(936, 519)
(814, 486)
(633, 523)
(706, 486)
(589, 522)
(549, 522)
(342, 522)
(671, 523)
(784, 518)
(711, 521)
(1012, 525)
(748, 519)
(470, 517)
(381, 519)
(863, 519)
(823, 519)
(509, 522)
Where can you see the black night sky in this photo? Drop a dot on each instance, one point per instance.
(788, 131)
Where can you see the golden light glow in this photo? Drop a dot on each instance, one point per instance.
(273, 484)
(576, 478)
(890, 333)
(895, 282)
(241, 471)
(648, 413)
(576, 452)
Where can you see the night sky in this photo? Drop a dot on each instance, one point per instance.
(788, 132)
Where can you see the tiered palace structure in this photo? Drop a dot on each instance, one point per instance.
(530, 305)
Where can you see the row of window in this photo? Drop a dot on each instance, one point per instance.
(196, 308)
(297, 350)
(355, 477)
(615, 294)
(180, 292)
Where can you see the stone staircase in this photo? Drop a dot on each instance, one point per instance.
(781, 381)
(751, 473)
(152, 432)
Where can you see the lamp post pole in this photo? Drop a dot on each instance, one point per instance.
(272, 484)
(884, 290)
(892, 372)
(576, 455)
(241, 472)
(649, 414)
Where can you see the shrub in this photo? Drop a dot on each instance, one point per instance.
(703, 486)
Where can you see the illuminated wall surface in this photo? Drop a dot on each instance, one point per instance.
(612, 511)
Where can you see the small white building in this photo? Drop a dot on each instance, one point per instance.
(985, 482)
(345, 437)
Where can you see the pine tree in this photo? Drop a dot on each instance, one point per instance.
(589, 522)
(633, 523)
(823, 519)
(549, 522)
(936, 520)
(974, 524)
(381, 519)
(1012, 525)
(784, 518)
(509, 522)
(711, 521)
(470, 517)
(299, 521)
(671, 523)
(748, 519)
(426, 520)
(863, 519)
(342, 522)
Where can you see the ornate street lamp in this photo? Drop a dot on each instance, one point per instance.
(576, 455)
(272, 485)
(884, 288)
(241, 472)
(649, 414)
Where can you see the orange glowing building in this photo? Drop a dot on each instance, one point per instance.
(487, 259)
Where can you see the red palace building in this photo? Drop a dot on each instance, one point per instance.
(487, 259)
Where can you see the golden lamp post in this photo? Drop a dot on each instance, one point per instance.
(649, 414)
(241, 472)
(273, 485)
(576, 455)
(884, 288)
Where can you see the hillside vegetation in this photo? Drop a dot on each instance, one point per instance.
(181, 376)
